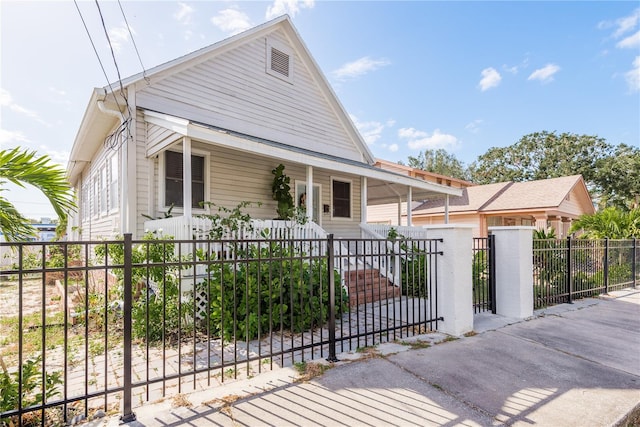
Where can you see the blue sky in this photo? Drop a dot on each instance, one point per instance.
(463, 76)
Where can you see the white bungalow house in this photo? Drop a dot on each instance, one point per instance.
(211, 126)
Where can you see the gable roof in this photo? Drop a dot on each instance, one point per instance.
(505, 196)
(97, 120)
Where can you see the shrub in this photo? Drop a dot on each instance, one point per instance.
(415, 273)
(31, 381)
(268, 288)
(156, 311)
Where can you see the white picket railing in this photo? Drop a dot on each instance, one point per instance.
(189, 228)
(389, 266)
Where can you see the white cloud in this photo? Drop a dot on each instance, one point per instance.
(393, 148)
(371, 131)
(232, 21)
(7, 136)
(359, 67)
(419, 140)
(58, 92)
(633, 76)
(622, 25)
(411, 133)
(184, 14)
(632, 41)
(6, 100)
(119, 36)
(545, 74)
(290, 7)
(490, 78)
(474, 126)
(61, 157)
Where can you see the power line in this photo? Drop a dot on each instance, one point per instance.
(144, 72)
(113, 55)
(97, 56)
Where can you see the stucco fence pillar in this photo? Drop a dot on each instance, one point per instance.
(514, 271)
(455, 292)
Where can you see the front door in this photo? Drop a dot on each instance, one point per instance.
(301, 194)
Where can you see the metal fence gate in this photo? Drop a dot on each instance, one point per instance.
(483, 274)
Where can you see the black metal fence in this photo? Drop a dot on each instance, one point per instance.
(483, 273)
(567, 269)
(109, 325)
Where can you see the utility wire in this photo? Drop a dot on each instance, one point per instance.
(114, 140)
(97, 55)
(144, 72)
(113, 55)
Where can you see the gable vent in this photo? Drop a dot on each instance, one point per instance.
(279, 62)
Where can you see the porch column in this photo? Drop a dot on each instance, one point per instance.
(309, 200)
(454, 287)
(514, 271)
(399, 210)
(446, 209)
(363, 200)
(186, 176)
(409, 199)
(541, 222)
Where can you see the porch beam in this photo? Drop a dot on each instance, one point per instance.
(186, 176)
(309, 199)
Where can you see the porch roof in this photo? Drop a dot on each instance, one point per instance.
(383, 186)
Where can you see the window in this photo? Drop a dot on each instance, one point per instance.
(95, 196)
(341, 197)
(103, 190)
(84, 196)
(174, 179)
(113, 183)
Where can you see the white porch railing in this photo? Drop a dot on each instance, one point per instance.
(189, 228)
(403, 230)
(389, 266)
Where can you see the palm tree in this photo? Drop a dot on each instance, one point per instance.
(611, 223)
(20, 167)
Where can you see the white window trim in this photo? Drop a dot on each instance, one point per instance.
(342, 218)
(162, 207)
(269, 43)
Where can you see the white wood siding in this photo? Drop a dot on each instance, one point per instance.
(236, 176)
(101, 224)
(233, 91)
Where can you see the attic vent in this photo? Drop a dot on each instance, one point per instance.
(279, 62)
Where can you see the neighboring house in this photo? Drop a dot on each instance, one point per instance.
(396, 213)
(211, 126)
(545, 203)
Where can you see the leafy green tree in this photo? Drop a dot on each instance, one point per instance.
(612, 223)
(441, 162)
(620, 175)
(612, 173)
(21, 167)
(542, 155)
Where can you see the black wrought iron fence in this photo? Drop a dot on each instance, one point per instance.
(570, 268)
(109, 325)
(483, 274)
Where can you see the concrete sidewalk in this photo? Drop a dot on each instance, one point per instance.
(571, 365)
